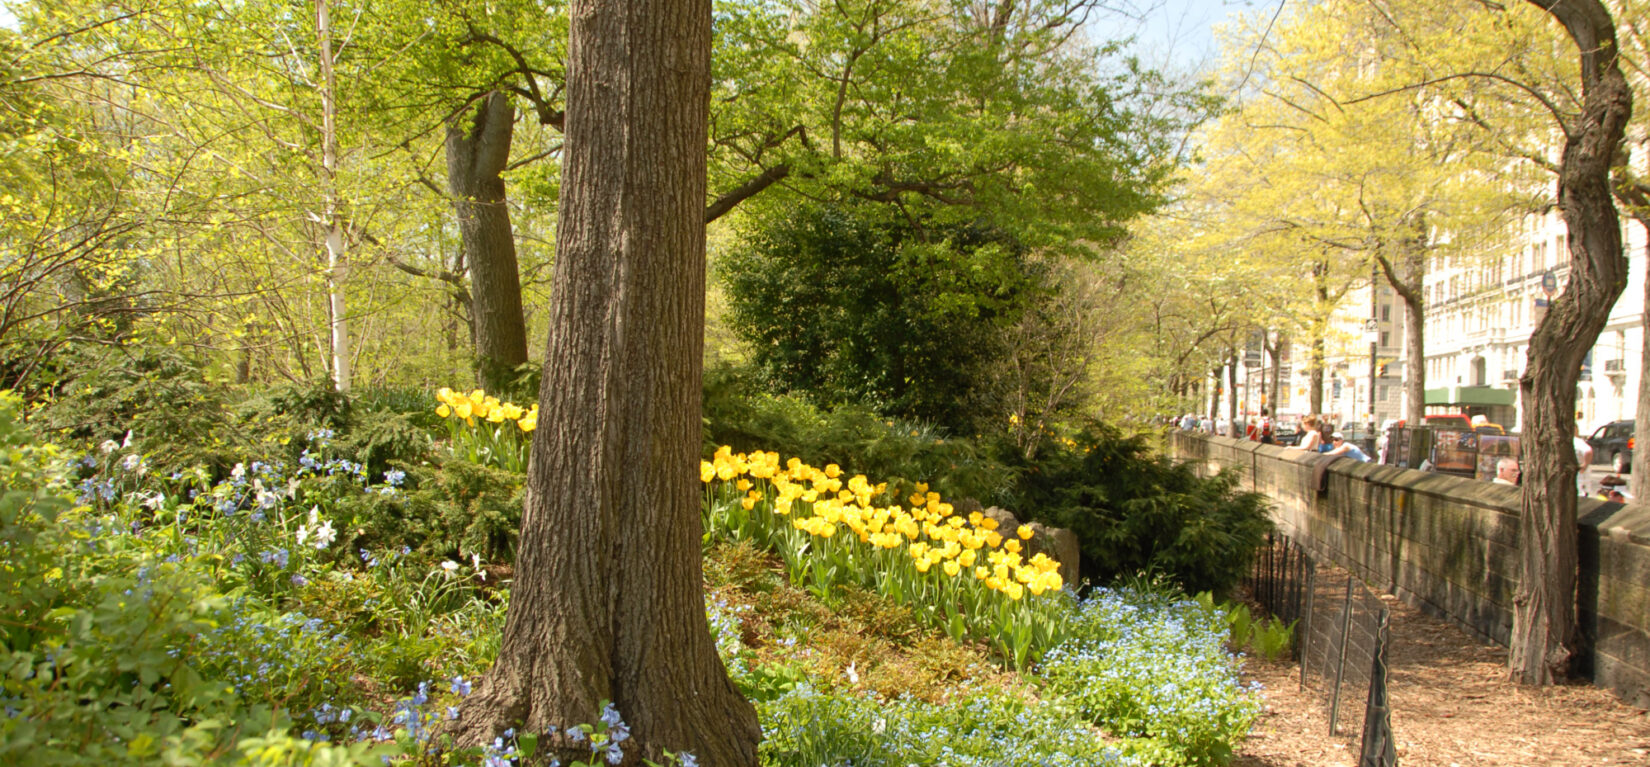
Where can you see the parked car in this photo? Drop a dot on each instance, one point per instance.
(1287, 433)
(1613, 444)
(1491, 429)
(1456, 421)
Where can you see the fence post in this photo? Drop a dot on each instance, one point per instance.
(1340, 662)
(1378, 747)
(1311, 586)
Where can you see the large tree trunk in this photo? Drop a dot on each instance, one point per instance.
(1544, 628)
(607, 602)
(477, 154)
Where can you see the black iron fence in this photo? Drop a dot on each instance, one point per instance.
(1341, 640)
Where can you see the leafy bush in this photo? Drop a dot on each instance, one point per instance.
(1156, 673)
(1134, 511)
(449, 511)
(857, 303)
(383, 440)
(158, 395)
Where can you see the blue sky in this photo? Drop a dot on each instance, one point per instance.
(1177, 32)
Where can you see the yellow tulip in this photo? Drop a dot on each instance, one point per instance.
(952, 568)
(1024, 532)
(443, 411)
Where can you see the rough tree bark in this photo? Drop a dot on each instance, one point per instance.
(607, 602)
(477, 153)
(1544, 631)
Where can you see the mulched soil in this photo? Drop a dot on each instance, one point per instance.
(1452, 706)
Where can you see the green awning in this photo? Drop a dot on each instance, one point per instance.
(1466, 396)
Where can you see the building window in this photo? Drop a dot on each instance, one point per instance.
(1386, 313)
(1386, 338)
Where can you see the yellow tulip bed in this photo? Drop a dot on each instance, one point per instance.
(958, 571)
(484, 430)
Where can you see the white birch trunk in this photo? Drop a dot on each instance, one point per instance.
(336, 254)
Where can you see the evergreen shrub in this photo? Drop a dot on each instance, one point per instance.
(1137, 512)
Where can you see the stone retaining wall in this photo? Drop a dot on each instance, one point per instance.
(1450, 546)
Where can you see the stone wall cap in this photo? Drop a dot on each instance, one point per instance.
(1622, 523)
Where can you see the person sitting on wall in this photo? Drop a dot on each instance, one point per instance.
(1311, 438)
(1611, 489)
(1342, 447)
(1506, 472)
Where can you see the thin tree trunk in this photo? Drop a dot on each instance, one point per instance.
(607, 603)
(1231, 385)
(477, 154)
(1407, 276)
(1320, 273)
(1415, 359)
(1544, 635)
(336, 265)
(1214, 395)
(1276, 384)
(1640, 477)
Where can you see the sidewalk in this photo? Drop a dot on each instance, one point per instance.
(1452, 706)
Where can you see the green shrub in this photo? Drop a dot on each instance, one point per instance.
(854, 303)
(162, 398)
(1134, 511)
(1271, 638)
(383, 440)
(446, 512)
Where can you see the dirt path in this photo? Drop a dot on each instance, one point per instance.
(1452, 707)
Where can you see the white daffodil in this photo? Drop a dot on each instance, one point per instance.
(325, 535)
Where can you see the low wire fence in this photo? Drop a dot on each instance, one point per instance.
(1341, 639)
